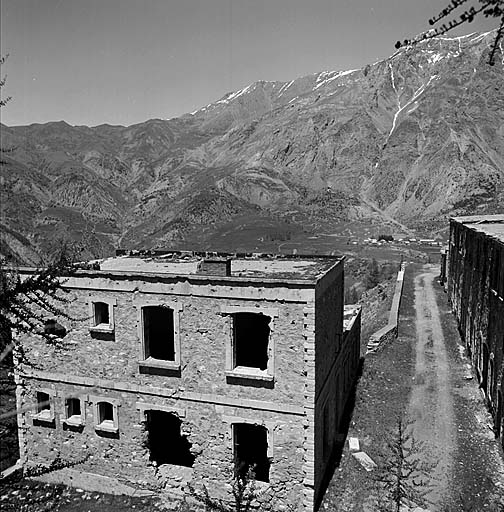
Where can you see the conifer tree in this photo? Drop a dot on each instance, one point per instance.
(30, 303)
(402, 477)
(3, 101)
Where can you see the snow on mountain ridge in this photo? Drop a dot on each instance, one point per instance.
(324, 78)
(338, 74)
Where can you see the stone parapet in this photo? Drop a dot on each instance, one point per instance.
(390, 331)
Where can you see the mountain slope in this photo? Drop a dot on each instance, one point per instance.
(408, 140)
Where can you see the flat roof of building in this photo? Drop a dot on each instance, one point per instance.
(265, 266)
(491, 225)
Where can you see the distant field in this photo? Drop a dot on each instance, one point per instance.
(269, 235)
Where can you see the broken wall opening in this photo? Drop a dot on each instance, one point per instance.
(251, 338)
(166, 443)
(251, 450)
(158, 333)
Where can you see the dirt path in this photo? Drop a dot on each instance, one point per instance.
(448, 413)
(431, 404)
(424, 375)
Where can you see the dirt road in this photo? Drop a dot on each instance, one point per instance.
(431, 405)
(425, 376)
(447, 410)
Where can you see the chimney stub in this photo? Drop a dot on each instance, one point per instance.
(215, 266)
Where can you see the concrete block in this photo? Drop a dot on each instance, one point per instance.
(365, 460)
(353, 444)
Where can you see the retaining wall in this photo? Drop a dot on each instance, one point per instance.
(390, 331)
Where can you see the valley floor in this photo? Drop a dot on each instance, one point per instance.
(423, 378)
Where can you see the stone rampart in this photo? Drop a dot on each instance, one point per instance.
(390, 331)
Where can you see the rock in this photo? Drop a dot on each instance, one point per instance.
(365, 460)
(353, 444)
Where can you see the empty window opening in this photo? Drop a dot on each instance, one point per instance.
(43, 405)
(73, 409)
(105, 414)
(51, 326)
(101, 313)
(166, 444)
(251, 336)
(251, 450)
(158, 333)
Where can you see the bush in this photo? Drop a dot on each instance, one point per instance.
(351, 296)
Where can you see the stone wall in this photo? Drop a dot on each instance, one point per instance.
(476, 292)
(204, 334)
(328, 324)
(390, 331)
(105, 366)
(330, 403)
(207, 427)
(299, 399)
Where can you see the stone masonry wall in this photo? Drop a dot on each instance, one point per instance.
(476, 292)
(309, 408)
(329, 347)
(330, 404)
(104, 365)
(204, 333)
(206, 426)
(328, 324)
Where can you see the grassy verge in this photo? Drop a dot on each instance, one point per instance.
(30, 496)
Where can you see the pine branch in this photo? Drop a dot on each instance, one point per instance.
(498, 37)
(488, 8)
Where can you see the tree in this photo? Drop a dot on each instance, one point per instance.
(3, 79)
(486, 8)
(25, 303)
(28, 303)
(402, 475)
(3, 101)
(244, 493)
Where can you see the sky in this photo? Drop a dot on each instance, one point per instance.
(89, 62)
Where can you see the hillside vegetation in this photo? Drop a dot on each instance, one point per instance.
(406, 141)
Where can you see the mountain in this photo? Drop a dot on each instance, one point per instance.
(405, 142)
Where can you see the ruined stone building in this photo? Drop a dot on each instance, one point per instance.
(190, 368)
(476, 292)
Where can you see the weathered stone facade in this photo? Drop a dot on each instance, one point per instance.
(476, 292)
(96, 397)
